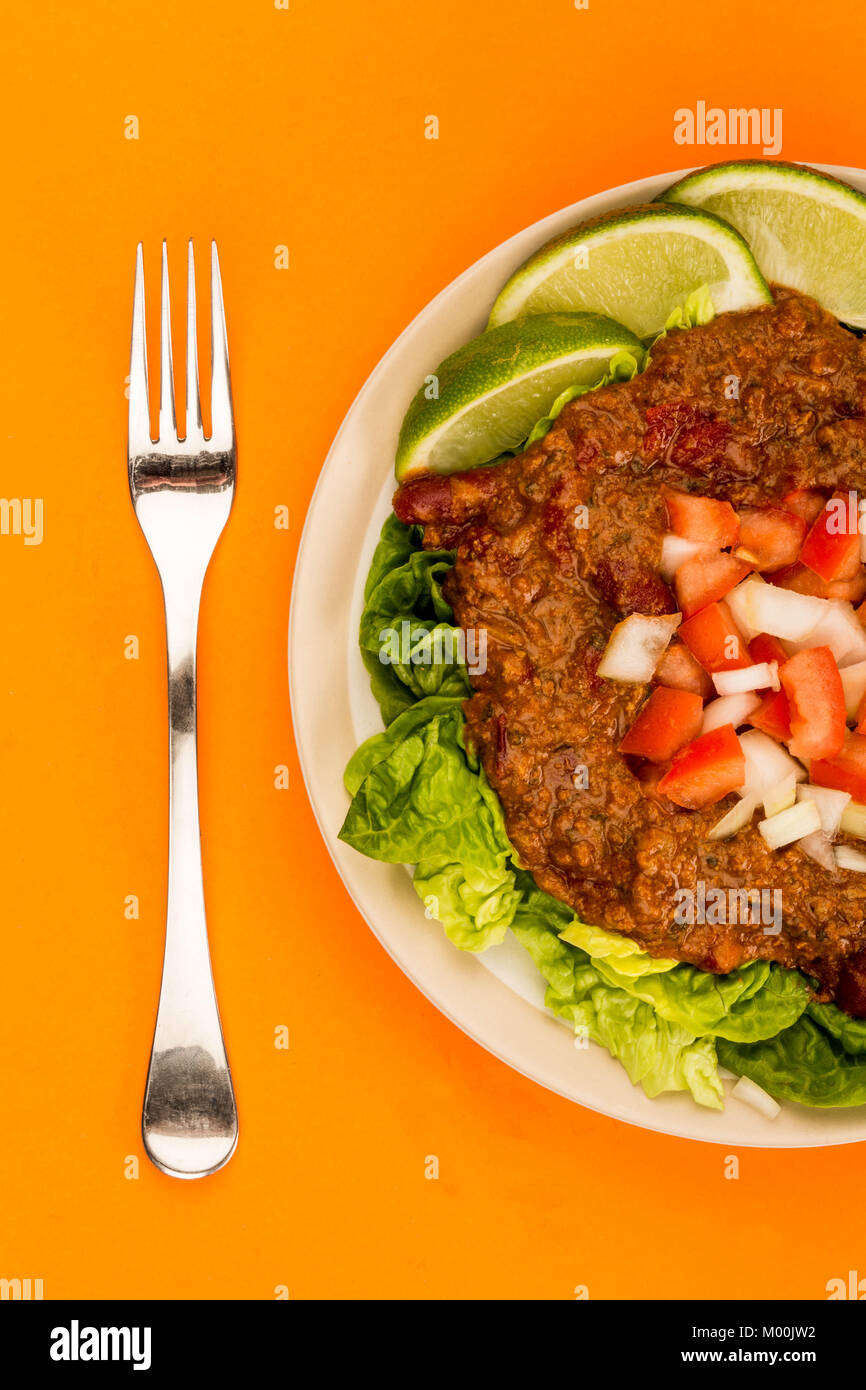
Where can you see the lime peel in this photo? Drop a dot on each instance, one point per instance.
(636, 265)
(806, 229)
(495, 390)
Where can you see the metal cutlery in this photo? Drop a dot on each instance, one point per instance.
(182, 490)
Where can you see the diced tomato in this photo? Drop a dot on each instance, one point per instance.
(805, 502)
(805, 581)
(669, 719)
(861, 716)
(681, 670)
(770, 538)
(832, 547)
(706, 770)
(813, 686)
(706, 578)
(705, 519)
(714, 638)
(767, 648)
(847, 771)
(773, 716)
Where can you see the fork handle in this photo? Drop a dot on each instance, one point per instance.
(189, 1120)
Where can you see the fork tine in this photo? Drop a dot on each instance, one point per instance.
(139, 407)
(167, 426)
(193, 398)
(222, 427)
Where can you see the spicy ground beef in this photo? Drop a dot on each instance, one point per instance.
(747, 407)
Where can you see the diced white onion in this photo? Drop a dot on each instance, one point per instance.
(780, 797)
(635, 646)
(735, 819)
(746, 1091)
(818, 847)
(839, 629)
(767, 763)
(737, 601)
(729, 709)
(853, 820)
(788, 826)
(764, 675)
(831, 805)
(675, 551)
(848, 858)
(853, 686)
(782, 612)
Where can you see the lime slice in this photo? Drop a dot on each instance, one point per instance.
(806, 230)
(636, 265)
(487, 396)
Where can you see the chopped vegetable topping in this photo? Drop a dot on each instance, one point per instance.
(767, 648)
(704, 519)
(770, 538)
(714, 638)
(781, 612)
(773, 715)
(763, 676)
(846, 771)
(681, 670)
(854, 687)
(832, 547)
(635, 645)
(706, 578)
(813, 686)
(831, 805)
(766, 764)
(849, 858)
(787, 657)
(706, 770)
(790, 825)
(668, 720)
(729, 709)
(805, 502)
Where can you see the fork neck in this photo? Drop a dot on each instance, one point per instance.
(181, 623)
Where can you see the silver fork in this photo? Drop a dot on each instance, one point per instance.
(182, 491)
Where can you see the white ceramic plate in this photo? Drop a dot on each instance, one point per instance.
(497, 998)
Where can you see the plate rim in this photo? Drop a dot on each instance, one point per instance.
(659, 1120)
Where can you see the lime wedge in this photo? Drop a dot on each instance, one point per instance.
(488, 395)
(636, 265)
(806, 230)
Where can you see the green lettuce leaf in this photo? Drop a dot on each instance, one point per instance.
(380, 746)
(803, 1063)
(391, 695)
(569, 972)
(396, 543)
(475, 903)
(850, 1032)
(418, 798)
(755, 1001)
(696, 309)
(658, 1055)
(621, 952)
(409, 646)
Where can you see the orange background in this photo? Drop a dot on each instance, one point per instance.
(305, 127)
